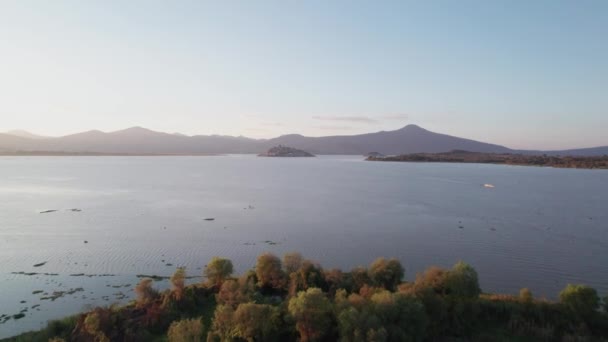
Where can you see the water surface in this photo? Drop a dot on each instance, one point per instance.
(539, 228)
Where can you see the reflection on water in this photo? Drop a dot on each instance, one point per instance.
(538, 228)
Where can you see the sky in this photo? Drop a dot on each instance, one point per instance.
(525, 74)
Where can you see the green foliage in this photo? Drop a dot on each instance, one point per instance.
(384, 316)
(218, 270)
(386, 273)
(269, 272)
(462, 281)
(186, 330)
(312, 312)
(581, 299)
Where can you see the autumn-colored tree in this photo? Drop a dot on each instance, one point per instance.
(358, 278)
(178, 283)
(256, 322)
(312, 312)
(292, 262)
(97, 323)
(308, 275)
(335, 280)
(222, 326)
(144, 292)
(386, 273)
(269, 273)
(186, 330)
(525, 295)
(235, 292)
(217, 271)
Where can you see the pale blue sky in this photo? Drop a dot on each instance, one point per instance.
(526, 74)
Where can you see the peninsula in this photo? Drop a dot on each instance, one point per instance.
(458, 156)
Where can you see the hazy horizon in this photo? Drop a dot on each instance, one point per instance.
(526, 75)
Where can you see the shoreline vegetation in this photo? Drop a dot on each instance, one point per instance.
(294, 299)
(459, 156)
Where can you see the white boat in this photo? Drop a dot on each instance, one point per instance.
(487, 185)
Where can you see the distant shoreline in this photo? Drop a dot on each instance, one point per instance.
(99, 154)
(465, 157)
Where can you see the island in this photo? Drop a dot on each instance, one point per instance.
(284, 151)
(459, 156)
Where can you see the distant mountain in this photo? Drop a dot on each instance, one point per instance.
(138, 140)
(409, 139)
(24, 134)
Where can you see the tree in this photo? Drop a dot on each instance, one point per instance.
(525, 295)
(178, 283)
(308, 275)
(292, 262)
(218, 270)
(268, 271)
(312, 313)
(462, 281)
(222, 326)
(144, 292)
(386, 273)
(358, 278)
(235, 292)
(581, 299)
(186, 330)
(256, 322)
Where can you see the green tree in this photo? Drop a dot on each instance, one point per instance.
(462, 281)
(581, 299)
(268, 272)
(386, 273)
(186, 330)
(218, 270)
(312, 312)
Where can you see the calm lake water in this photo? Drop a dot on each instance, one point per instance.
(539, 228)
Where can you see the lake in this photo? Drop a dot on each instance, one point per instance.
(539, 228)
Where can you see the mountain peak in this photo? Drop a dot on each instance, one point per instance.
(135, 130)
(413, 128)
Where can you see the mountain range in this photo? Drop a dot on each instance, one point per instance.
(142, 141)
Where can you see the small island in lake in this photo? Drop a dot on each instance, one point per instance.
(458, 156)
(284, 151)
